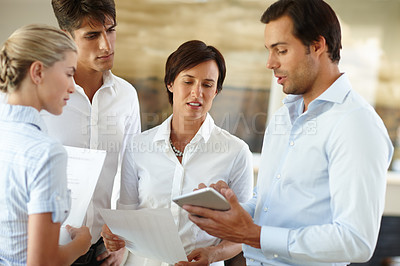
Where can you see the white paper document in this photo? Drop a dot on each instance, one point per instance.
(83, 170)
(150, 233)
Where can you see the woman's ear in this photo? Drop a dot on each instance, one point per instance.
(36, 72)
(169, 86)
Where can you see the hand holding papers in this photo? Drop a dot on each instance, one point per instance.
(149, 233)
(83, 170)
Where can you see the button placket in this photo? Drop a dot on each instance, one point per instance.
(177, 186)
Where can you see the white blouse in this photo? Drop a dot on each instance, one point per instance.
(152, 175)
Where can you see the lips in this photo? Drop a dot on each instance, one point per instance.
(194, 104)
(281, 79)
(105, 56)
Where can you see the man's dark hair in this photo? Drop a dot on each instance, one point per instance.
(71, 13)
(311, 19)
(189, 55)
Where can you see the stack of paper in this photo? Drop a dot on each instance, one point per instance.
(83, 170)
(149, 233)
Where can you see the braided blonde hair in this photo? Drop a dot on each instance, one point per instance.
(26, 45)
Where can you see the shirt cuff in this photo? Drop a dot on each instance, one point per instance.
(58, 205)
(274, 241)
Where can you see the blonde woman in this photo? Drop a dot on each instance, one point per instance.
(37, 64)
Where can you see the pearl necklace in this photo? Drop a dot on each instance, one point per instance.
(177, 152)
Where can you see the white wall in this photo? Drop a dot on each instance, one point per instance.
(16, 13)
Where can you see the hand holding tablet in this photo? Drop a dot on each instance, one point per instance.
(205, 197)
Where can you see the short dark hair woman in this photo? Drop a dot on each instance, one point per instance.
(186, 149)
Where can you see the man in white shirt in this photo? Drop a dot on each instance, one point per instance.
(103, 113)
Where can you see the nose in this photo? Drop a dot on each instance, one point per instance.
(197, 90)
(71, 88)
(104, 42)
(272, 62)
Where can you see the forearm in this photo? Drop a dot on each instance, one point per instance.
(224, 251)
(68, 253)
(227, 249)
(62, 255)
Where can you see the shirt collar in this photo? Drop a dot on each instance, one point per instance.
(204, 132)
(108, 82)
(22, 114)
(336, 93)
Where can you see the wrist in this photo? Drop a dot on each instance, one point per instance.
(213, 253)
(253, 236)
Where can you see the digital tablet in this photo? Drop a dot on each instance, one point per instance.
(205, 197)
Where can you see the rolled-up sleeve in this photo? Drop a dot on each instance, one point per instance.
(48, 185)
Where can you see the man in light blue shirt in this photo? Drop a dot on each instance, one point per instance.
(322, 178)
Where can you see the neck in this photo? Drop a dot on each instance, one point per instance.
(25, 95)
(90, 81)
(183, 131)
(325, 78)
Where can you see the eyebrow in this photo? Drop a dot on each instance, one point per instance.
(276, 44)
(92, 32)
(98, 31)
(190, 76)
(112, 26)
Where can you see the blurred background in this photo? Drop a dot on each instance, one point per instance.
(149, 30)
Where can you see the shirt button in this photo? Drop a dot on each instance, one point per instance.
(251, 260)
(275, 255)
(291, 143)
(58, 198)
(265, 209)
(278, 176)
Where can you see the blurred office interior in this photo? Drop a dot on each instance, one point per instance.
(149, 30)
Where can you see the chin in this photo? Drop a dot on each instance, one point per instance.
(56, 112)
(106, 67)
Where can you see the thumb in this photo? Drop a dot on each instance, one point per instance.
(192, 255)
(69, 228)
(230, 196)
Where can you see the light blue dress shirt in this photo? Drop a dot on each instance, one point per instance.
(32, 179)
(321, 185)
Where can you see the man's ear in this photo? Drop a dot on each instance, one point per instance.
(319, 46)
(36, 72)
